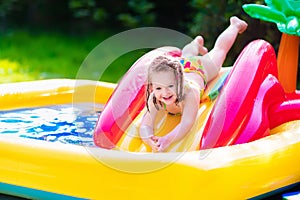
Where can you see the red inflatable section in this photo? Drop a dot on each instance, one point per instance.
(285, 111)
(252, 100)
(127, 100)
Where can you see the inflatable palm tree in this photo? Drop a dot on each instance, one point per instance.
(286, 14)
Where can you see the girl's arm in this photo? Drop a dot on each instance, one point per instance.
(189, 115)
(147, 125)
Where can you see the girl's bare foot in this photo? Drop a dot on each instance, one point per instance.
(200, 44)
(200, 41)
(238, 23)
(195, 47)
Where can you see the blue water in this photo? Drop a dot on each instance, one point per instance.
(73, 124)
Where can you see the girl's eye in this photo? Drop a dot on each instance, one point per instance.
(158, 88)
(170, 86)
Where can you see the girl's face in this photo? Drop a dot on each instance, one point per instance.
(164, 86)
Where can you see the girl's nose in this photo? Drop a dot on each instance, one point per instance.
(165, 90)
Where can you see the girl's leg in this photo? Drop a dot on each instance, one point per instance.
(213, 61)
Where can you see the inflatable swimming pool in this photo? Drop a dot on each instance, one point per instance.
(40, 169)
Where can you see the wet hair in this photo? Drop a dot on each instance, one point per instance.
(165, 64)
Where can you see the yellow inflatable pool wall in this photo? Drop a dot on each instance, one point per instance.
(45, 170)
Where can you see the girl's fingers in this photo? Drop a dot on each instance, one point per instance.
(160, 149)
(155, 148)
(154, 138)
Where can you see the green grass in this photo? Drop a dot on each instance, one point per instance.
(27, 55)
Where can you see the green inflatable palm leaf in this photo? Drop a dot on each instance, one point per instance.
(281, 5)
(285, 13)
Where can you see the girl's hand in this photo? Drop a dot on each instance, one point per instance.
(151, 141)
(163, 143)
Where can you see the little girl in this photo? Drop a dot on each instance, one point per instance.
(175, 85)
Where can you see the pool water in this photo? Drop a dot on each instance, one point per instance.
(72, 124)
